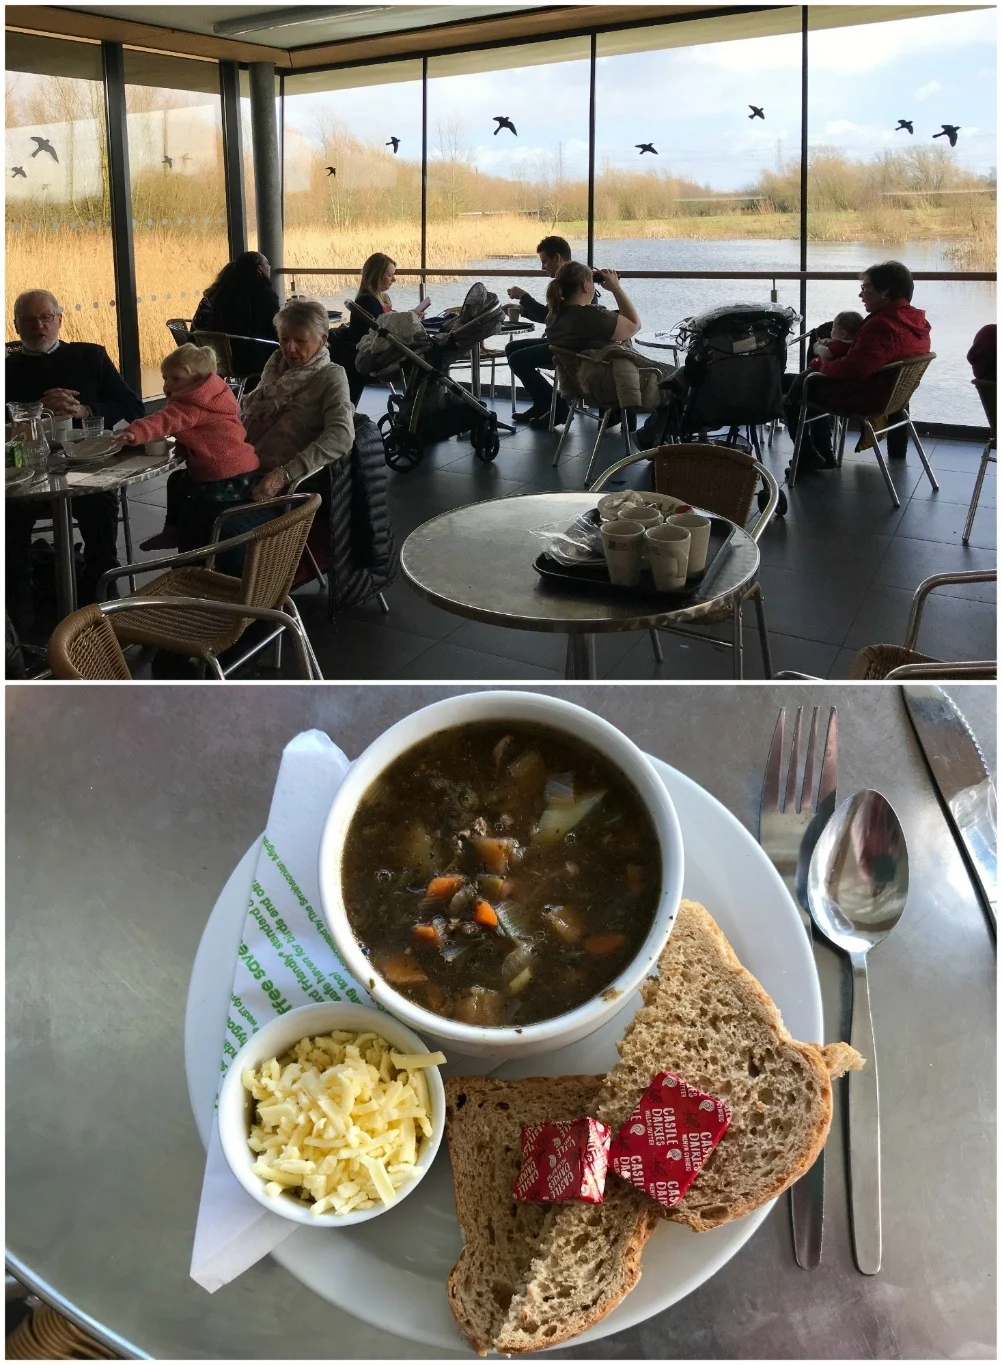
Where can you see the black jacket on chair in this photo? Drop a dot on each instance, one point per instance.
(363, 556)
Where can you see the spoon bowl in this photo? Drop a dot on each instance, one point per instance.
(857, 886)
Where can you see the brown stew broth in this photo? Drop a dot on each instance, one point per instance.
(501, 874)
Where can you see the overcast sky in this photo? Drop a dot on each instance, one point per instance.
(692, 103)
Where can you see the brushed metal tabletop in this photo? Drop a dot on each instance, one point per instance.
(476, 561)
(127, 809)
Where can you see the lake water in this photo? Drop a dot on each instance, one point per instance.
(955, 310)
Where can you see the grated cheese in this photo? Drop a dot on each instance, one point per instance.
(339, 1120)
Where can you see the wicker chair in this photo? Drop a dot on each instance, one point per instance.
(273, 552)
(892, 663)
(723, 481)
(567, 368)
(907, 375)
(84, 644)
(986, 392)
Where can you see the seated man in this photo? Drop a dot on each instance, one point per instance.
(72, 379)
(526, 354)
(893, 330)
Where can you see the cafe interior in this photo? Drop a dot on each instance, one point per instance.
(427, 488)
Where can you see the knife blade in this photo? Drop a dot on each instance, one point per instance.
(967, 791)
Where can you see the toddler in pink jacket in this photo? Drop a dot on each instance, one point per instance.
(202, 413)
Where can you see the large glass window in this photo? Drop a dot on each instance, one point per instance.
(493, 193)
(178, 193)
(348, 191)
(702, 196)
(877, 191)
(247, 161)
(58, 228)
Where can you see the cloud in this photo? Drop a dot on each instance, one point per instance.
(837, 126)
(930, 88)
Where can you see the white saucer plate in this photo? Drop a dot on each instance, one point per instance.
(391, 1273)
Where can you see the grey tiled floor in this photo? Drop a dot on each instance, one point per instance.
(837, 572)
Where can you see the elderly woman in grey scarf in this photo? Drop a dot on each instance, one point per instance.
(299, 418)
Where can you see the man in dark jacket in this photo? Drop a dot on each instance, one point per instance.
(893, 330)
(525, 355)
(72, 379)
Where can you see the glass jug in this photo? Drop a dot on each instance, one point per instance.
(29, 421)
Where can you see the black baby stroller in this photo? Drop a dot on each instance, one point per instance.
(433, 405)
(734, 364)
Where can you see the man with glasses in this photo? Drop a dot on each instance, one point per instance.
(72, 379)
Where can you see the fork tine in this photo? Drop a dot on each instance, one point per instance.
(807, 790)
(829, 765)
(773, 767)
(791, 776)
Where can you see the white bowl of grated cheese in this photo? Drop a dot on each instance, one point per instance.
(331, 1114)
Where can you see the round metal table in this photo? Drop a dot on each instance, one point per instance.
(129, 808)
(113, 476)
(476, 561)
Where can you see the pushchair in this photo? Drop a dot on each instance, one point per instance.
(433, 405)
(734, 364)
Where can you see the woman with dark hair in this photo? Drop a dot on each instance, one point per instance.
(893, 330)
(241, 300)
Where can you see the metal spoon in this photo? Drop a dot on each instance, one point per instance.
(856, 889)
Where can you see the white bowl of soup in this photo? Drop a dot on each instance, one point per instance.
(499, 870)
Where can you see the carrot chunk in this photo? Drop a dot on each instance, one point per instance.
(426, 933)
(601, 945)
(484, 914)
(441, 888)
(400, 970)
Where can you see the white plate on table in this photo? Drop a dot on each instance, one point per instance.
(392, 1272)
(95, 450)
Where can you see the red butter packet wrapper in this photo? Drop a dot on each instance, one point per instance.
(663, 1145)
(564, 1162)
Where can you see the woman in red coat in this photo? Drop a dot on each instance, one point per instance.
(893, 330)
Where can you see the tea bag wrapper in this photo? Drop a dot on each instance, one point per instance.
(564, 1162)
(665, 1142)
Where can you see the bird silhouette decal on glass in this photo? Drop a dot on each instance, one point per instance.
(19, 171)
(646, 147)
(394, 142)
(949, 130)
(169, 162)
(905, 123)
(43, 145)
(756, 112)
(331, 170)
(503, 121)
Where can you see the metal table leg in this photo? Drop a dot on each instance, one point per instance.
(580, 658)
(66, 584)
(475, 376)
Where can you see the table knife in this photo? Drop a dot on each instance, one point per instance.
(967, 791)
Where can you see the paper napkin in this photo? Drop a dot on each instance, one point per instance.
(286, 959)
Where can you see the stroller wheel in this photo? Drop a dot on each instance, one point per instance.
(782, 506)
(401, 452)
(485, 441)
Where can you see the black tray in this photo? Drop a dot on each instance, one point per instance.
(596, 575)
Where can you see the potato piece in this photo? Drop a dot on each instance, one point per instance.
(564, 921)
(480, 1006)
(400, 969)
(418, 848)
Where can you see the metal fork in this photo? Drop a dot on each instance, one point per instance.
(788, 829)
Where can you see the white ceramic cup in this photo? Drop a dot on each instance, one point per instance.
(513, 310)
(668, 548)
(156, 447)
(62, 429)
(699, 538)
(623, 543)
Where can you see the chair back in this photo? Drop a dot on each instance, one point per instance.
(986, 392)
(179, 330)
(909, 376)
(273, 555)
(718, 478)
(220, 343)
(84, 645)
(565, 366)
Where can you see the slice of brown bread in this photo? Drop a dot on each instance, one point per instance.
(706, 1018)
(599, 1246)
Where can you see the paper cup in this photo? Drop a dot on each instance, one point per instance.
(647, 516)
(699, 538)
(668, 548)
(622, 542)
(513, 310)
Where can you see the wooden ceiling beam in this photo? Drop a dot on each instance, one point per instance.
(76, 23)
(497, 28)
